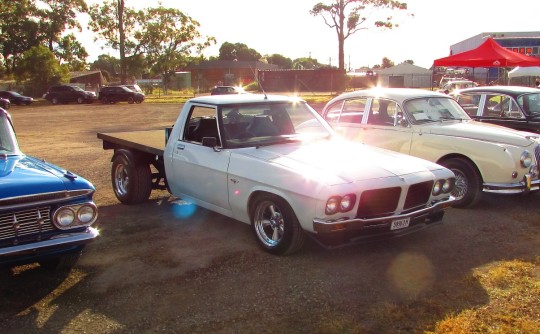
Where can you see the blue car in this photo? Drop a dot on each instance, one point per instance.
(46, 212)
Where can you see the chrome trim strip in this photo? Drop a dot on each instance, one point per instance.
(58, 240)
(50, 198)
(324, 226)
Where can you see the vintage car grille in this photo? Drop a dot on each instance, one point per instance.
(384, 202)
(378, 202)
(21, 224)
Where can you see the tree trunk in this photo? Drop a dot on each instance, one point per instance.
(122, 41)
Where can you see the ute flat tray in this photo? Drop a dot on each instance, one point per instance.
(149, 141)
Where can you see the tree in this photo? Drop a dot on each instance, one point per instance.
(118, 26)
(306, 63)
(386, 63)
(345, 16)
(39, 66)
(238, 51)
(18, 31)
(72, 52)
(279, 60)
(168, 38)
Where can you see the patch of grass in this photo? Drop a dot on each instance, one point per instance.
(513, 288)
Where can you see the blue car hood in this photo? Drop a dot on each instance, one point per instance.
(22, 175)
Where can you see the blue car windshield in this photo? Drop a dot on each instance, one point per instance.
(8, 143)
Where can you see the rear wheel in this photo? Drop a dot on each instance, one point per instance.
(468, 182)
(131, 181)
(54, 100)
(104, 100)
(130, 100)
(275, 225)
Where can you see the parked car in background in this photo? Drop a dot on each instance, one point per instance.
(66, 94)
(134, 87)
(223, 90)
(113, 94)
(512, 106)
(16, 98)
(453, 85)
(433, 126)
(4, 103)
(46, 212)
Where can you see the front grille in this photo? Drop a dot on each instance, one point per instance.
(378, 202)
(418, 195)
(25, 223)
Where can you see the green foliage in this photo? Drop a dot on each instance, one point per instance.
(346, 18)
(238, 51)
(306, 63)
(279, 60)
(39, 66)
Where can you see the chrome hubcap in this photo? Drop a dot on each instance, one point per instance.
(121, 180)
(269, 223)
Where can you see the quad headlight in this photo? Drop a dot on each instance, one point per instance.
(444, 186)
(337, 204)
(71, 216)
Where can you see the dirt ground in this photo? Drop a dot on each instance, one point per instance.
(156, 269)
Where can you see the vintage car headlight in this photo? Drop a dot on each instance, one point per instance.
(337, 204)
(525, 159)
(72, 216)
(443, 186)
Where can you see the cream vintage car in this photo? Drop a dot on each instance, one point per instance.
(433, 126)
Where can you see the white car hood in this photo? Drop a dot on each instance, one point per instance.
(340, 161)
(481, 131)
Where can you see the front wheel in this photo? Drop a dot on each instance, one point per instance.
(130, 100)
(80, 100)
(62, 262)
(131, 181)
(275, 225)
(54, 100)
(468, 182)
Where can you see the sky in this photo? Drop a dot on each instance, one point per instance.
(286, 27)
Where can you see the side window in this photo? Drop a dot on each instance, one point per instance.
(353, 110)
(502, 106)
(333, 113)
(201, 123)
(469, 103)
(383, 112)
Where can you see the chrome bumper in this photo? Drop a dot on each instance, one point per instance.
(526, 185)
(321, 226)
(55, 242)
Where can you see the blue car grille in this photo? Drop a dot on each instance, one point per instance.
(24, 225)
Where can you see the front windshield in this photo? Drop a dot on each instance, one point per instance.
(269, 123)
(8, 143)
(434, 109)
(530, 103)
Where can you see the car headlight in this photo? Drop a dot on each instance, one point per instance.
(337, 204)
(437, 187)
(71, 216)
(525, 159)
(443, 186)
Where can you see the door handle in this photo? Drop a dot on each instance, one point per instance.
(180, 146)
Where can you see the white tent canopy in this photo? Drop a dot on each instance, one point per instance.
(524, 72)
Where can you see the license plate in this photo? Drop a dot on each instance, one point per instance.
(400, 223)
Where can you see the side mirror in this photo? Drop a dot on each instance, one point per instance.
(402, 121)
(209, 141)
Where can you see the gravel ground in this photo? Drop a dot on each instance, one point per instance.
(153, 269)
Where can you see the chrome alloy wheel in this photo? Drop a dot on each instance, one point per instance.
(121, 180)
(462, 184)
(269, 223)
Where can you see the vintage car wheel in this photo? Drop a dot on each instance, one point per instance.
(131, 181)
(130, 100)
(62, 262)
(275, 225)
(468, 182)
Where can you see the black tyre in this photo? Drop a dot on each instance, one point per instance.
(275, 225)
(468, 182)
(62, 262)
(104, 100)
(130, 100)
(80, 100)
(54, 100)
(131, 181)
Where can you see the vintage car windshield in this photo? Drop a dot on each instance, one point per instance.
(530, 103)
(270, 123)
(8, 143)
(434, 109)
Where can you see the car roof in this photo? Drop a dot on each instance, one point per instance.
(511, 90)
(398, 94)
(243, 99)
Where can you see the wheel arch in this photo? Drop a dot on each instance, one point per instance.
(463, 157)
